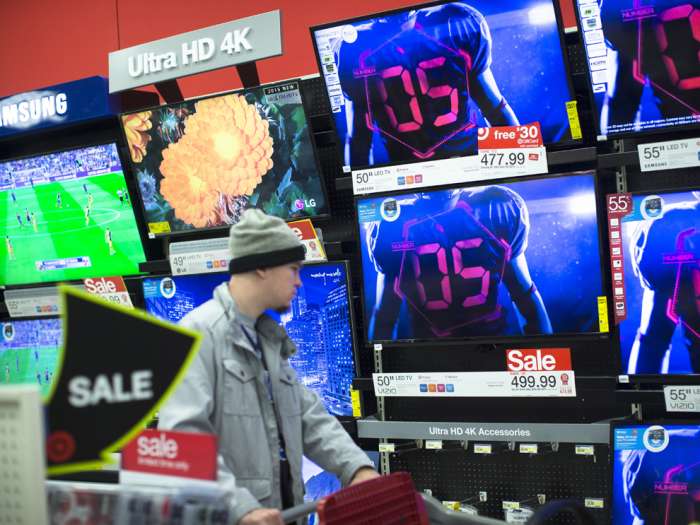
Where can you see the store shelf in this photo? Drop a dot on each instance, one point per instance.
(530, 432)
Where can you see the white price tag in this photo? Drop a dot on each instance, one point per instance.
(433, 444)
(669, 155)
(682, 398)
(513, 162)
(386, 447)
(594, 503)
(559, 383)
(482, 448)
(202, 262)
(510, 505)
(203, 256)
(120, 298)
(528, 448)
(415, 175)
(585, 450)
(511, 151)
(32, 302)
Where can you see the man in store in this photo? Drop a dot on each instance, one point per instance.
(242, 388)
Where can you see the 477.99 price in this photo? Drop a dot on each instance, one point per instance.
(502, 159)
(528, 382)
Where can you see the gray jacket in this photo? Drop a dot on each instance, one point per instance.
(224, 393)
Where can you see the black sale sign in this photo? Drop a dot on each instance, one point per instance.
(118, 367)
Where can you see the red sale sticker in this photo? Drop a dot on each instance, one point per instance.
(538, 359)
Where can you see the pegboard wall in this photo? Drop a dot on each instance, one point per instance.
(460, 475)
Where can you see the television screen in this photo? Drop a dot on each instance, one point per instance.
(320, 483)
(319, 323)
(497, 260)
(643, 63)
(661, 250)
(656, 474)
(201, 163)
(66, 216)
(415, 84)
(29, 352)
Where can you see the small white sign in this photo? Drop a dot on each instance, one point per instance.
(585, 450)
(559, 383)
(682, 398)
(433, 444)
(32, 302)
(204, 256)
(481, 448)
(511, 151)
(528, 448)
(595, 503)
(416, 175)
(669, 155)
(386, 447)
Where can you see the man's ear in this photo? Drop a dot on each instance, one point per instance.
(261, 273)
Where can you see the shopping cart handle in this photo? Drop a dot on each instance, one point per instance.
(294, 513)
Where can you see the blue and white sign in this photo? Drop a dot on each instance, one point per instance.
(58, 105)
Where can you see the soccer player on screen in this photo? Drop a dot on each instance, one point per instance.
(34, 224)
(418, 82)
(671, 289)
(19, 220)
(59, 203)
(444, 257)
(120, 194)
(90, 200)
(86, 212)
(108, 240)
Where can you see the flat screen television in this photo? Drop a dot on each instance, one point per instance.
(319, 322)
(642, 58)
(29, 352)
(416, 83)
(202, 162)
(507, 259)
(67, 215)
(656, 473)
(660, 246)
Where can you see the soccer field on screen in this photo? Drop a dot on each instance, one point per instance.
(60, 243)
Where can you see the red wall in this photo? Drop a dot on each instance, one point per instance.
(46, 42)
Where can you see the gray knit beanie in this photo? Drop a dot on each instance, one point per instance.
(261, 241)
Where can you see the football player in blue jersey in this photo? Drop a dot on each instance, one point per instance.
(665, 255)
(444, 256)
(416, 82)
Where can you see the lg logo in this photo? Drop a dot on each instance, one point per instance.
(300, 204)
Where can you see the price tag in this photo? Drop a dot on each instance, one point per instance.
(356, 405)
(204, 256)
(452, 505)
(386, 447)
(555, 383)
(482, 448)
(111, 289)
(594, 503)
(669, 155)
(416, 175)
(378, 347)
(510, 505)
(682, 398)
(623, 379)
(528, 448)
(313, 247)
(433, 444)
(512, 151)
(157, 228)
(585, 450)
(32, 302)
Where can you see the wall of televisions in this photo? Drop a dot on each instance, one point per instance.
(430, 279)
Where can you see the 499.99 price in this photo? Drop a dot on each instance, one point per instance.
(530, 382)
(502, 159)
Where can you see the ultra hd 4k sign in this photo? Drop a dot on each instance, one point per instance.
(214, 47)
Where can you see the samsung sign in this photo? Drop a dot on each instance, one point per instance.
(55, 106)
(214, 47)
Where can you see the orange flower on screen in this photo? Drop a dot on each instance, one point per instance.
(226, 147)
(136, 127)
